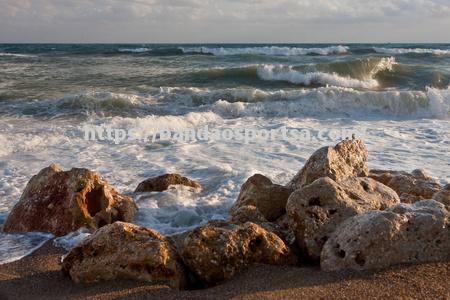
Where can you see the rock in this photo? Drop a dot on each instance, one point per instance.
(317, 209)
(162, 183)
(217, 251)
(60, 202)
(443, 196)
(247, 213)
(405, 233)
(258, 191)
(347, 159)
(125, 251)
(411, 187)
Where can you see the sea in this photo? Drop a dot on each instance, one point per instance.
(394, 96)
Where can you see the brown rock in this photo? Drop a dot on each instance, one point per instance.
(246, 214)
(62, 201)
(219, 250)
(258, 191)
(347, 159)
(317, 209)
(125, 251)
(405, 233)
(443, 196)
(162, 183)
(411, 187)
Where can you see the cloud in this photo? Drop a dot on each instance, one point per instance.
(144, 19)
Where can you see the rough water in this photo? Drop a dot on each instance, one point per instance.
(398, 95)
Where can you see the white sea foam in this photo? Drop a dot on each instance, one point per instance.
(16, 246)
(344, 102)
(134, 50)
(439, 102)
(272, 50)
(289, 74)
(72, 239)
(145, 126)
(438, 52)
(17, 55)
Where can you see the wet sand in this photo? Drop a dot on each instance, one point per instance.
(39, 277)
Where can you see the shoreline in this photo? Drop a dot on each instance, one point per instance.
(38, 276)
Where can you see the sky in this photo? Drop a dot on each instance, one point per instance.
(217, 21)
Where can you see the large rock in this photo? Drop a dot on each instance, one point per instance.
(60, 202)
(405, 233)
(258, 191)
(347, 159)
(411, 187)
(317, 209)
(443, 196)
(219, 250)
(162, 183)
(125, 251)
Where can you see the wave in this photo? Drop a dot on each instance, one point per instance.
(283, 73)
(359, 73)
(169, 105)
(343, 102)
(134, 50)
(85, 104)
(268, 50)
(16, 55)
(438, 52)
(289, 74)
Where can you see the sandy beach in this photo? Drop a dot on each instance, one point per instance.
(39, 277)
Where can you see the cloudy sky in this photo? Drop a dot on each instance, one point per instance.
(224, 21)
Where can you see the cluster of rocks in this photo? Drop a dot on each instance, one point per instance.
(334, 212)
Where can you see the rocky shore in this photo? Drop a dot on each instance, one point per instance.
(334, 216)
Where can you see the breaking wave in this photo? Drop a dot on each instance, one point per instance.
(168, 104)
(16, 55)
(344, 102)
(365, 77)
(359, 73)
(438, 52)
(269, 50)
(134, 50)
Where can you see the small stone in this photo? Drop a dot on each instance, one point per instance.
(162, 183)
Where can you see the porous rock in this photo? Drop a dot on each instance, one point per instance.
(405, 233)
(347, 159)
(259, 191)
(217, 251)
(125, 251)
(443, 196)
(317, 209)
(60, 202)
(411, 187)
